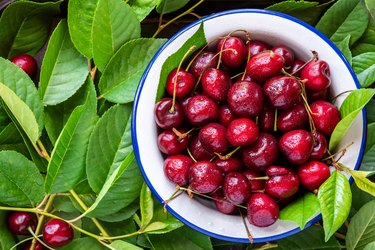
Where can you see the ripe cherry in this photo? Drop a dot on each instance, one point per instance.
(233, 51)
(266, 118)
(215, 84)
(221, 203)
(313, 96)
(226, 115)
(256, 185)
(27, 63)
(282, 183)
(296, 145)
(312, 174)
(213, 138)
(176, 168)
(185, 83)
(229, 165)
(319, 147)
(205, 177)
(296, 68)
(262, 210)
(286, 52)
(57, 233)
(245, 99)
(197, 151)
(236, 187)
(19, 222)
(201, 110)
(203, 61)
(242, 132)
(170, 144)
(264, 65)
(316, 75)
(165, 117)
(261, 154)
(283, 92)
(254, 47)
(325, 116)
(293, 118)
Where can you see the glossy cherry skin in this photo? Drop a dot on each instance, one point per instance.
(296, 145)
(296, 68)
(233, 164)
(213, 138)
(201, 110)
(264, 65)
(233, 51)
(286, 52)
(325, 116)
(38, 246)
(203, 61)
(262, 210)
(293, 118)
(242, 132)
(319, 147)
(313, 96)
(57, 233)
(184, 81)
(245, 99)
(19, 222)
(256, 185)
(26, 62)
(205, 177)
(312, 174)
(222, 204)
(164, 117)
(176, 168)
(283, 92)
(316, 75)
(170, 144)
(215, 84)
(282, 183)
(197, 151)
(266, 118)
(254, 47)
(261, 154)
(226, 115)
(236, 187)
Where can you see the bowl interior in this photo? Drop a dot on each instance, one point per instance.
(274, 28)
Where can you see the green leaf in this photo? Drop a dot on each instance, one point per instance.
(370, 108)
(309, 239)
(119, 190)
(361, 230)
(370, 140)
(84, 243)
(344, 47)
(370, 5)
(123, 214)
(21, 84)
(183, 238)
(368, 161)
(15, 191)
(360, 197)
(160, 215)
(345, 17)
(301, 210)
(122, 228)
(121, 76)
(110, 143)
(67, 164)
(123, 245)
(6, 237)
(142, 8)
(22, 113)
(367, 42)
(360, 178)
(25, 27)
(146, 205)
(155, 227)
(58, 115)
(198, 39)
(335, 199)
(64, 69)
(168, 6)
(109, 32)
(370, 246)
(10, 135)
(364, 67)
(349, 109)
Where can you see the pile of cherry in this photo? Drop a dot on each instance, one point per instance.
(247, 124)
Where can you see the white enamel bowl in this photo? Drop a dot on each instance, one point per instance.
(274, 28)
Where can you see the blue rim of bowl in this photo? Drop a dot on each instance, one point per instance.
(140, 87)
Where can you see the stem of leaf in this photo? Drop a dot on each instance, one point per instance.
(266, 246)
(36, 238)
(121, 236)
(44, 152)
(84, 207)
(41, 219)
(340, 236)
(162, 26)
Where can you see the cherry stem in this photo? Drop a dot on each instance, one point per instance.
(341, 152)
(23, 241)
(246, 227)
(182, 135)
(342, 93)
(35, 239)
(266, 246)
(307, 107)
(340, 236)
(315, 56)
(176, 77)
(191, 156)
(195, 56)
(227, 156)
(275, 121)
(259, 178)
(177, 193)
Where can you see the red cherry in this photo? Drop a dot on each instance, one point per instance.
(320, 146)
(213, 138)
(203, 61)
(282, 183)
(254, 47)
(170, 144)
(296, 68)
(201, 110)
(266, 118)
(57, 233)
(286, 52)
(229, 165)
(215, 84)
(19, 222)
(325, 116)
(233, 51)
(164, 117)
(226, 115)
(222, 204)
(312, 174)
(185, 83)
(262, 210)
(296, 145)
(316, 75)
(38, 246)
(176, 168)
(205, 177)
(242, 132)
(197, 151)
(255, 184)
(264, 65)
(236, 187)
(293, 118)
(26, 62)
